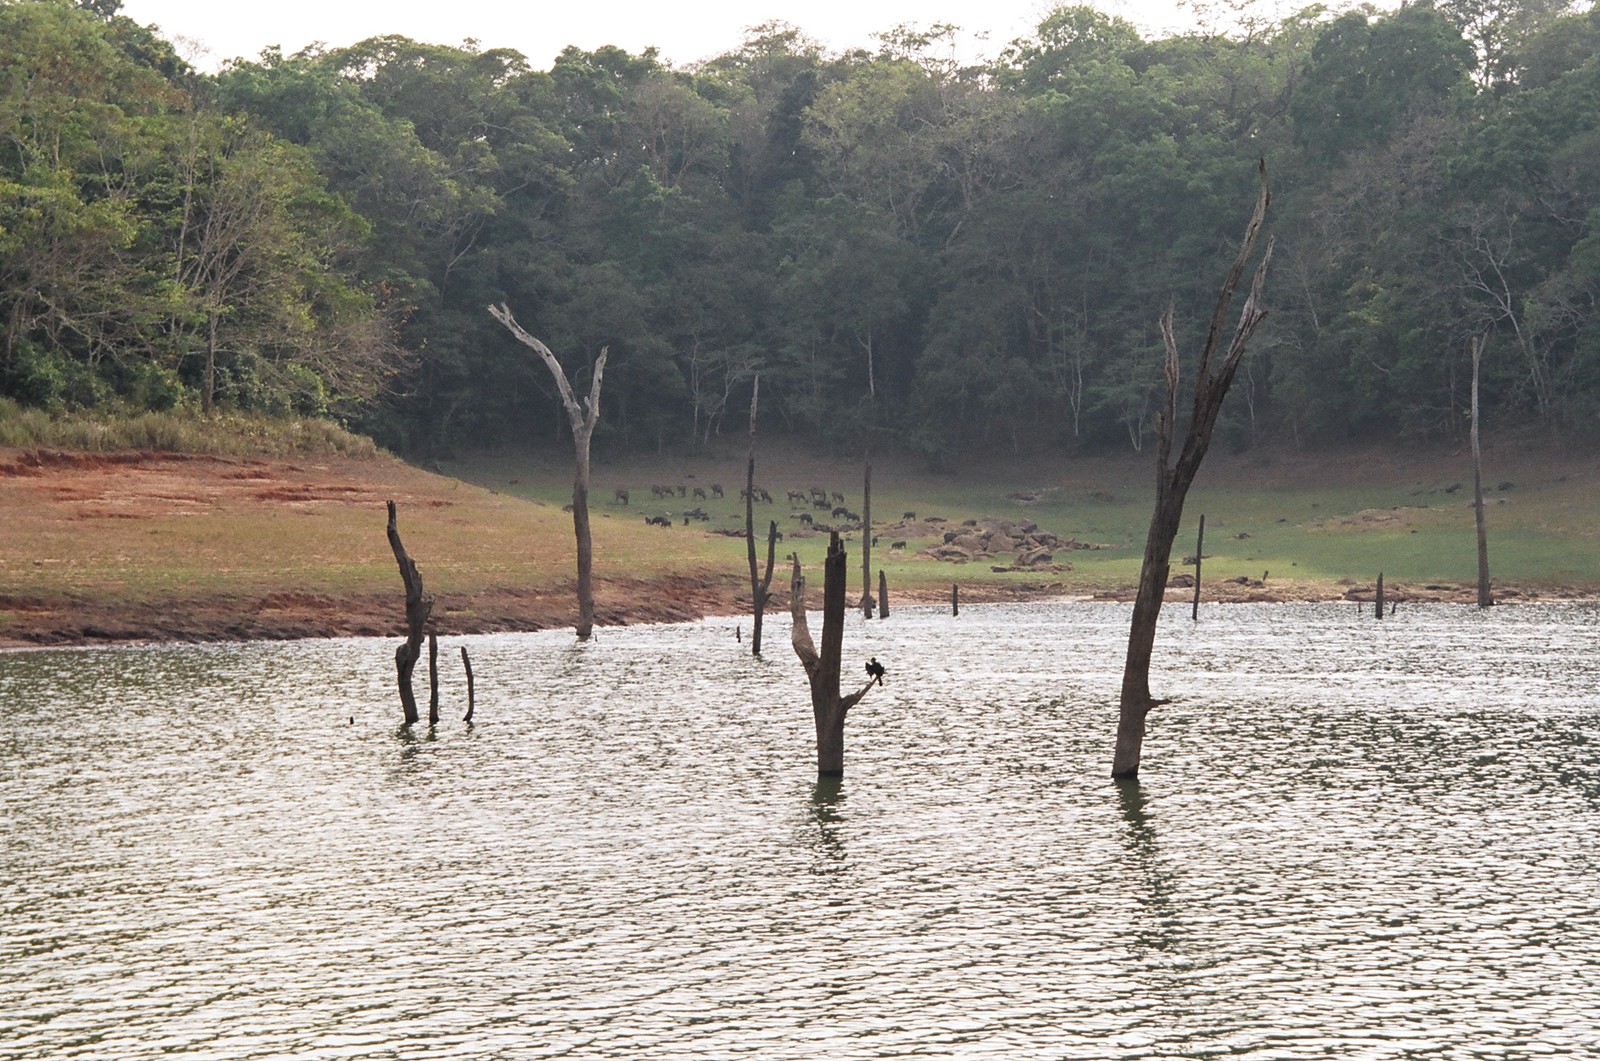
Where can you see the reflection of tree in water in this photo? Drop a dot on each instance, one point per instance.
(1157, 928)
(827, 804)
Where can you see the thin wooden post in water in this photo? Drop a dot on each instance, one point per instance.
(1379, 609)
(955, 599)
(1484, 598)
(471, 697)
(866, 542)
(1199, 555)
(433, 679)
(883, 594)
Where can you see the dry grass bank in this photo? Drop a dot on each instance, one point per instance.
(132, 545)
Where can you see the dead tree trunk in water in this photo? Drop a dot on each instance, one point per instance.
(866, 542)
(883, 594)
(828, 708)
(418, 607)
(1216, 370)
(582, 419)
(1378, 611)
(1484, 599)
(760, 587)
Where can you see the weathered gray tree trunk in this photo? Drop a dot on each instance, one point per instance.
(582, 418)
(866, 542)
(1216, 370)
(418, 607)
(1484, 598)
(828, 707)
(883, 594)
(1378, 611)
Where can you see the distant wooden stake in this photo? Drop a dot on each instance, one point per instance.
(1484, 599)
(471, 696)
(883, 594)
(1379, 609)
(955, 599)
(433, 679)
(1199, 555)
(418, 607)
(866, 542)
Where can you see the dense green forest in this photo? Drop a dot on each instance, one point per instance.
(943, 256)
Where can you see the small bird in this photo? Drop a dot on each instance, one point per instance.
(875, 671)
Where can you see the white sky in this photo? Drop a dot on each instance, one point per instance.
(684, 32)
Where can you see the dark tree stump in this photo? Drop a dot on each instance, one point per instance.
(419, 606)
(471, 693)
(828, 707)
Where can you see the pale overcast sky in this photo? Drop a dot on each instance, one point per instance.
(684, 32)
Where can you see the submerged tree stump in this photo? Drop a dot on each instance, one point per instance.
(419, 606)
(828, 707)
(471, 693)
(883, 594)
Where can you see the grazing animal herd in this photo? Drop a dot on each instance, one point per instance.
(832, 501)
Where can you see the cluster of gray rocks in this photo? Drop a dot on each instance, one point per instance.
(1028, 547)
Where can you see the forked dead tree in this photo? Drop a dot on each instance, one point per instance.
(419, 605)
(582, 418)
(1217, 366)
(828, 707)
(760, 586)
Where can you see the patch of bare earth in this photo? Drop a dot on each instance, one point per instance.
(78, 522)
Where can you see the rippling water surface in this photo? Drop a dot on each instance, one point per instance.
(1352, 839)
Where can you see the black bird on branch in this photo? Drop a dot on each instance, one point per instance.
(875, 671)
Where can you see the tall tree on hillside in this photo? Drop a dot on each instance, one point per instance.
(1216, 369)
(582, 418)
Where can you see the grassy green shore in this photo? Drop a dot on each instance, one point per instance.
(284, 536)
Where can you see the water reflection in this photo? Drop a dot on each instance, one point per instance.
(827, 818)
(1156, 927)
(629, 857)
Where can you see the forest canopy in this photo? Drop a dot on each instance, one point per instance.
(942, 255)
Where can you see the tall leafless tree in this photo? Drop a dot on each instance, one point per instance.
(1217, 366)
(582, 418)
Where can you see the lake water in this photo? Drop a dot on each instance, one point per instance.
(1351, 839)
